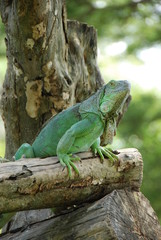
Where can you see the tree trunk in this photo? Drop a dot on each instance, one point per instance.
(49, 67)
(52, 65)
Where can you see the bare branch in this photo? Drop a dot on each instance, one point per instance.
(43, 183)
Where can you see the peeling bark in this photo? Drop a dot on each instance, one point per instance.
(51, 65)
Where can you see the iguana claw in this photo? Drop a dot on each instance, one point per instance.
(105, 151)
(67, 161)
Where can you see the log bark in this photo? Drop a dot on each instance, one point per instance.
(42, 183)
(122, 214)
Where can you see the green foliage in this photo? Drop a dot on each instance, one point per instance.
(3, 66)
(141, 128)
(2, 37)
(2, 147)
(136, 22)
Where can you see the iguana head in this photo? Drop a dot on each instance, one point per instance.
(114, 96)
(25, 150)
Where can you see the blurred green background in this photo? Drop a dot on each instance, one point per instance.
(129, 47)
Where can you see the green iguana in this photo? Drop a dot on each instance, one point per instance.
(79, 127)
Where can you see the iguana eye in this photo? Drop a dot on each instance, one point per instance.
(112, 83)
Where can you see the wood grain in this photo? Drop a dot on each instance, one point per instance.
(122, 214)
(43, 183)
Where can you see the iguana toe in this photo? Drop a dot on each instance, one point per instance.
(67, 161)
(109, 153)
(104, 151)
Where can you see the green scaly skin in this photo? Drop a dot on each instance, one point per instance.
(80, 127)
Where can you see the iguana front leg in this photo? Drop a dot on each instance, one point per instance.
(77, 139)
(103, 151)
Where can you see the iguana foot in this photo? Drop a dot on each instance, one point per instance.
(105, 151)
(67, 161)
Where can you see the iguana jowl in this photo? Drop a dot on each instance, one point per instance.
(80, 127)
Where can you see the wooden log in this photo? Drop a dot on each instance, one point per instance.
(44, 183)
(122, 214)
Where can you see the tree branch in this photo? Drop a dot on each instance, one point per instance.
(43, 183)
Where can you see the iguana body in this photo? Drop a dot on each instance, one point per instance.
(79, 127)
